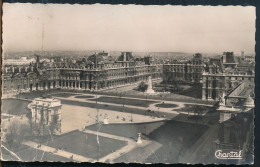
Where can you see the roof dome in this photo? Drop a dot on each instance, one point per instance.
(249, 102)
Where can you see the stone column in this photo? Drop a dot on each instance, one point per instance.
(209, 94)
(86, 86)
(83, 85)
(217, 93)
(34, 87)
(51, 86)
(203, 93)
(39, 86)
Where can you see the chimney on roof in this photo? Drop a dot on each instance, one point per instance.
(96, 62)
(124, 56)
(224, 57)
(20, 70)
(13, 69)
(242, 54)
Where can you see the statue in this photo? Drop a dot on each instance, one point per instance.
(222, 100)
(139, 140)
(106, 119)
(149, 89)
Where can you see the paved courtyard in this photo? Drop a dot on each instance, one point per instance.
(77, 117)
(85, 137)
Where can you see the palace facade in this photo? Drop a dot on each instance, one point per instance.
(218, 76)
(99, 71)
(224, 74)
(188, 71)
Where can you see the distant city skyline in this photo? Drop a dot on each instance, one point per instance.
(205, 29)
(117, 53)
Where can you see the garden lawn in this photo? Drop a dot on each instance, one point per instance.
(14, 106)
(128, 130)
(176, 138)
(64, 94)
(173, 135)
(86, 144)
(31, 154)
(117, 100)
(199, 109)
(84, 97)
(166, 105)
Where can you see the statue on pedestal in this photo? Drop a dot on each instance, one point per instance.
(149, 89)
(139, 140)
(222, 100)
(106, 119)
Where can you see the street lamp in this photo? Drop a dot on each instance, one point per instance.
(131, 116)
(146, 100)
(97, 110)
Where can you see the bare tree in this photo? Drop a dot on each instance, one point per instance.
(12, 132)
(29, 116)
(16, 133)
(54, 124)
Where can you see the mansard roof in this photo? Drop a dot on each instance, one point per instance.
(230, 58)
(125, 56)
(215, 63)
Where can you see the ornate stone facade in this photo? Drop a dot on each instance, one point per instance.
(47, 111)
(219, 77)
(99, 72)
(189, 71)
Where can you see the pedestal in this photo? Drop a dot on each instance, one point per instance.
(105, 122)
(139, 140)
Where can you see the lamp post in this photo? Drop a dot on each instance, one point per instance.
(97, 110)
(131, 116)
(146, 100)
(123, 105)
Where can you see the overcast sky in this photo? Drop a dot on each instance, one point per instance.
(128, 28)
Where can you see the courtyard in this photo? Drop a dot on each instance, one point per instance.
(174, 137)
(160, 122)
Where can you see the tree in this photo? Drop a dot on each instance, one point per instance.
(12, 131)
(15, 134)
(84, 60)
(54, 124)
(39, 129)
(142, 86)
(29, 116)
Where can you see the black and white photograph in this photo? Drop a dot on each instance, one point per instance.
(142, 84)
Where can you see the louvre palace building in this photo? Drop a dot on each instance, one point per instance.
(99, 71)
(223, 75)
